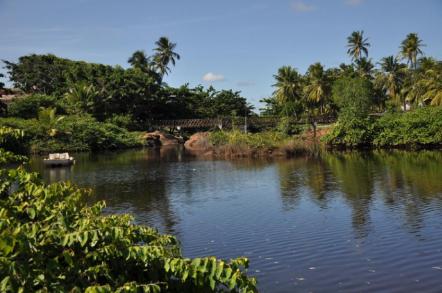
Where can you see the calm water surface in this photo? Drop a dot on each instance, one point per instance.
(348, 222)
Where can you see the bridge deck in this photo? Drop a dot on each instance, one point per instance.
(227, 122)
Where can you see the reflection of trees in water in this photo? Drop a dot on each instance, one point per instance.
(295, 175)
(143, 191)
(407, 182)
(411, 181)
(353, 171)
(129, 181)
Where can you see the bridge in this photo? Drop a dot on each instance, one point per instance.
(229, 122)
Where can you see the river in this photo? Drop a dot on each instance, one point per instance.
(345, 222)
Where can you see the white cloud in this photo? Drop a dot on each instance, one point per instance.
(210, 76)
(354, 2)
(300, 6)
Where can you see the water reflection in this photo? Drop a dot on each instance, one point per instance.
(357, 211)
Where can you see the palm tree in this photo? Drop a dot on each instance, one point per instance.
(391, 78)
(81, 97)
(139, 60)
(317, 89)
(164, 55)
(364, 67)
(288, 92)
(431, 82)
(411, 48)
(357, 45)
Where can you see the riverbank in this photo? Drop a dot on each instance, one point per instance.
(236, 144)
(75, 133)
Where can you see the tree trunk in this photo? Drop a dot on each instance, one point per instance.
(313, 123)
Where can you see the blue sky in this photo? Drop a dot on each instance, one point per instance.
(236, 44)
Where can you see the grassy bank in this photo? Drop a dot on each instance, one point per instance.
(269, 143)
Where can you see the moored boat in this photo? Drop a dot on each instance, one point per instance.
(58, 159)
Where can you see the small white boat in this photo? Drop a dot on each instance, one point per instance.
(58, 159)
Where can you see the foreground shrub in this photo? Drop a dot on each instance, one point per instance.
(51, 241)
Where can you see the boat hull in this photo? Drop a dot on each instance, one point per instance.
(58, 162)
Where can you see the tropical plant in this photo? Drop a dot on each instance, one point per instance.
(139, 60)
(364, 67)
(11, 143)
(288, 91)
(82, 97)
(49, 120)
(52, 241)
(28, 106)
(391, 79)
(411, 48)
(432, 83)
(317, 89)
(164, 55)
(357, 45)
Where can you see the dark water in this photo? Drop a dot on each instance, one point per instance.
(350, 222)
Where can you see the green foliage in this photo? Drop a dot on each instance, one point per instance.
(52, 241)
(418, 128)
(123, 121)
(73, 133)
(29, 106)
(268, 139)
(11, 139)
(350, 131)
(422, 127)
(287, 126)
(353, 96)
(357, 45)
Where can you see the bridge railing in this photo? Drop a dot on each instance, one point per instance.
(228, 122)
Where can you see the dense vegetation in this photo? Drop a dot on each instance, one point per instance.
(51, 241)
(414, 129)
(107, 91)
(111, 102)
(352, 91)
(95, 107)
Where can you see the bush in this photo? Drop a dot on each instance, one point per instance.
(421, 127)
(353, 96)
(288, 127)
(123, 121)
(52, 241)
(74, 133)
(418, 128)
(27, 107)
(350, 132)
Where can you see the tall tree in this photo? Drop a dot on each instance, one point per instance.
(139, 60)
(317, 89)
(364, 67)
(165, 54)
(288, 91)
(411, 48)
(357, 45)
(391, 78)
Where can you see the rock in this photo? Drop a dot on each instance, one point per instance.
(160, 138)
(198, 142)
